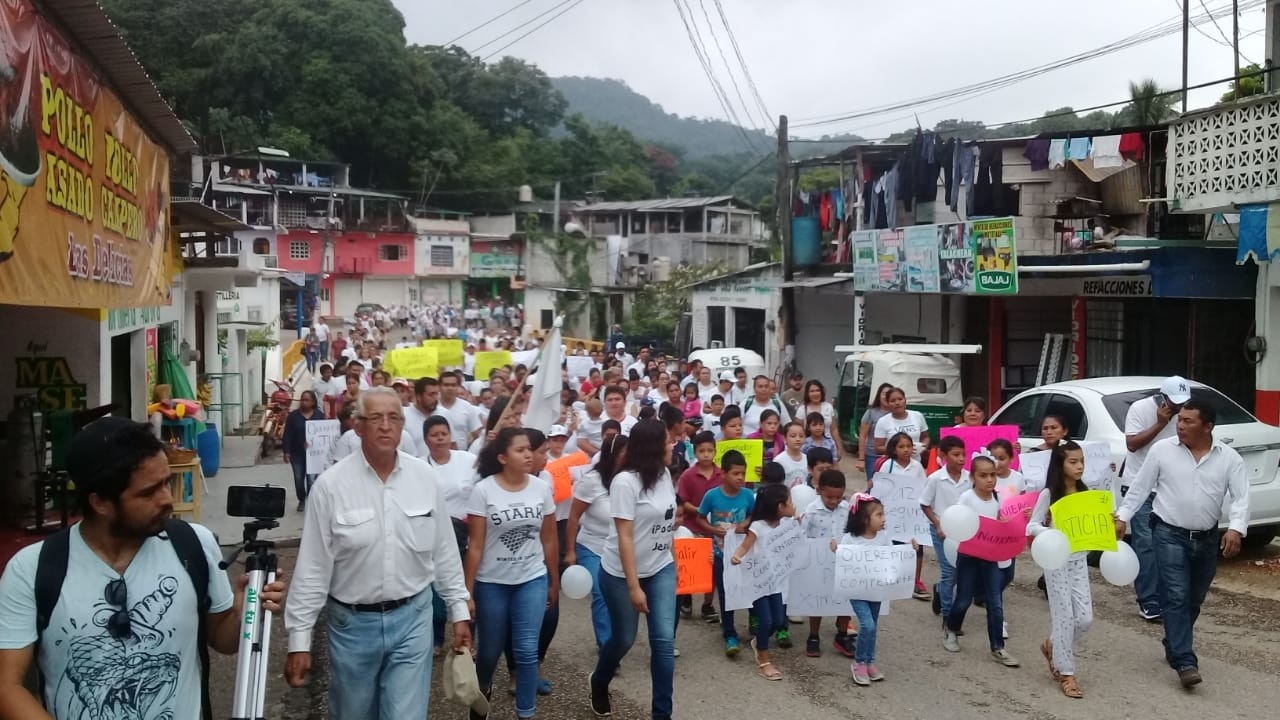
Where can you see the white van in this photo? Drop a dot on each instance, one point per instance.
(721, 359)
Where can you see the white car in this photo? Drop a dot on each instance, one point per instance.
(1095, 410)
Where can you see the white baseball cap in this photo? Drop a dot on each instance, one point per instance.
(558, 431)
(620, 346)
(461, 683)
(727, 376)
(1176, 389)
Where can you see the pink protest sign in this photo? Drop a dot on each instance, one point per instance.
(1014, 505)
(997, 540)
(980, 436)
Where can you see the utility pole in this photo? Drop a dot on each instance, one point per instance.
(1186, 33)
(783, 196)
(1235, 41)
(555, 211)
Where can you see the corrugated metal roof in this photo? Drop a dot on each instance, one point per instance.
(660, 205)
(193, 216)
(93, 33)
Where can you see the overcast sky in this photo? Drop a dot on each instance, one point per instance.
(818, 58)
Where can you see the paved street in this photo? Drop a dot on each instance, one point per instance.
(1121, 669)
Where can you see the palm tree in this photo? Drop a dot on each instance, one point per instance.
(1148, 104)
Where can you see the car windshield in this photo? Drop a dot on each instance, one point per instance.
(1229, 413)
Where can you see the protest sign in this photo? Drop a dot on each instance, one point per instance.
(997, 540)
(321, 435)
(1035, 466)
(1097, 466)
(490, 360)
(448, 351)
(751, 579)
(1014, 504)
(980, 436)
(752, 450)
(875, 573)
(1085, 518)
(562, 476)
(579, 366)
(694, 566)
(412, 363)
(904, 519)
(808, 591)
(783, 546)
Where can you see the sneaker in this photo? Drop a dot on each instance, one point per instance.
(844, 644)
(1005, 631)
(675, 652)
(874, 673)
(1189, 677)
(1003, 657)
(921, 592)
(731, 647)
(796, 620)
(950, 642)
(813, 646)
(783, 637)
(1150, 613)
(959, 633)
(686, 611)
(709, 614)
(860, 676)
(600, 703)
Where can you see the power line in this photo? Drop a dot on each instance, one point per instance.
(534, 29)
(1151, 33)
(747, 109)
(717, 90)
(1226, 41)
(487, 23)
(724, 20)
(476, 50)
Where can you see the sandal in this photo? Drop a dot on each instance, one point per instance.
(774, 673)
(1046, 649)
(1069, 686)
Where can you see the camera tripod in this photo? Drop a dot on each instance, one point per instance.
(255, 623)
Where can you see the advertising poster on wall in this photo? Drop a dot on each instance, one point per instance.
(891, 258)
(955, 259)
(995, 253)
(921, 250)
(866, 268)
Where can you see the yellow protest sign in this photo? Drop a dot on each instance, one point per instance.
(1085, 518)
(752, 450)
(487, 362)
(448, 351)
(412, 363)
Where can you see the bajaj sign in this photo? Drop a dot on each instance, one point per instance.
(995, 256)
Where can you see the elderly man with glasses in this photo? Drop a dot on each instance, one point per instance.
(377, 539)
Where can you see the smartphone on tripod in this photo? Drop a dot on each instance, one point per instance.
(265, 504)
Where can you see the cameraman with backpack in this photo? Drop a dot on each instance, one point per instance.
(129, 635)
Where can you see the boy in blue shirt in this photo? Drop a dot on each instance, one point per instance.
(723, 510)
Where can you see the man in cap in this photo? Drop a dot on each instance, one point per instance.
(726, 387)
(1148, 421)
(469, 361)
(377, 540)
(125, 633)
(620, 352)
(404, 389)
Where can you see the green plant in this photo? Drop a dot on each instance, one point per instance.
(657, 307)
(263, 337)
(571, 258)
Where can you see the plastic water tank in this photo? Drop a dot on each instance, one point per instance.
(209, 448)
(661, 269)
(806, 241)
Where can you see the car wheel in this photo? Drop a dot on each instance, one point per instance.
(1258, 537)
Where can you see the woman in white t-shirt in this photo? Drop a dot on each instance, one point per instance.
(815, 401)
(637, 569)
(901, 420)
(590, 524)
(511, 564)
(456, 473)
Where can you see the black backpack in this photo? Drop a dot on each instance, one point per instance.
(52, 569)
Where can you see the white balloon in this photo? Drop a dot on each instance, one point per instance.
(1051, 549)
(950, 548)
(576, 582)
(684, 533)
(1119, 567)
(801, 496)
(960, 523)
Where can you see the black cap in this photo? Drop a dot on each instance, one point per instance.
(96, 446)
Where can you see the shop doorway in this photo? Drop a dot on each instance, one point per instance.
(121, 380)
(748, 329)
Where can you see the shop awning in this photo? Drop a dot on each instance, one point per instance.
(816, 282)
(190, 216)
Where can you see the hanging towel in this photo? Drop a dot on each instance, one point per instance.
(1131, 146)
(1037, 151)
(837, 198)
(1252, 239)
(1057, 154)
(1106, 152)
(1078, 148)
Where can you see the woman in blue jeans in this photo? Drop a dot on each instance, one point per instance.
(512, 555)
(637, 569)
(589, 527)
(294, 443)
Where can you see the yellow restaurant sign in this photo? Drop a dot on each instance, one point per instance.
(83, 191)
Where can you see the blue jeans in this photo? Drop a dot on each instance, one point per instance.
(301, 480)
(771, 617)
(599, 610)
(868, 614)
(1147, 585)
(947, 581)
(515, 611)
(324, 351)
(660, 591)
(972, 573)
(726, 616)
(380, 663)
(1186, 570)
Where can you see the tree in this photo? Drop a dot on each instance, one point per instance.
(1243, 87)
(657, 308)
(1148, 104)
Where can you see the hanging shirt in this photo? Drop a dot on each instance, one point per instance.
(1131, 146)
(1106, 152)
(1057, 153)
(1078, 148)
(1037, 151)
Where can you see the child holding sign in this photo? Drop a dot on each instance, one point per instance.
(902, 460)
(773, 503)
(972, 572)
(722, 510)
(866, 520)
(1070, 599)
(826, 517)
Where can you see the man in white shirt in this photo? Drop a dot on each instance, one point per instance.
(322, 334)
(469, 362)
(695, 374)
(378, 539)
(639, 366)
(755, 406)
(464, 421)
(740, 391)
(706, 388)
(620, 352)
(1191, 476)
(1147, 422)
(426, 393)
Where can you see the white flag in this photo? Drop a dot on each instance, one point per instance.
(544, 396)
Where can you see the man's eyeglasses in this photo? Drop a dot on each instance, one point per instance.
(378, 420)
(117, 596)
